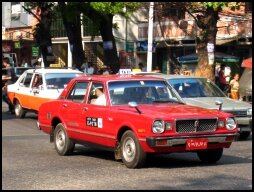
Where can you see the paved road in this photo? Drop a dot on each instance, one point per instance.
(29, 161)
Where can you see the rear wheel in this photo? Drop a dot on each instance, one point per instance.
(210, 156)
(63, 145)
(132, 154)
(19, 110)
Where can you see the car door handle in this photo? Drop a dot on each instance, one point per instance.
(85, 108)
(64, 105)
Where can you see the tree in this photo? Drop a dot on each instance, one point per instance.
(43, 12)
(206, 16)
(70, 13)
(102, 13)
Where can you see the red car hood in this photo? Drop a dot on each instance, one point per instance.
(178, 111)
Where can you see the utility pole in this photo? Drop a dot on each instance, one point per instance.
(150, 38)
(126, 38)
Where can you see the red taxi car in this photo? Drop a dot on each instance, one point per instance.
(133, 116)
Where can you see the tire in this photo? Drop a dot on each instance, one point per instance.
(132, 154)
(210, 156)
(19, 110)
(63, 145)
(244, 135)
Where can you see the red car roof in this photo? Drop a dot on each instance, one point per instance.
(116, 77)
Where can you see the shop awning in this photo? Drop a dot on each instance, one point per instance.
(219, 57)
(247, 63)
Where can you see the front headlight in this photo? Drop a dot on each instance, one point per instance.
(158, 126)
(230, 123)
(249, 112)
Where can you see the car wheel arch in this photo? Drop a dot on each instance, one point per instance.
(54, 122)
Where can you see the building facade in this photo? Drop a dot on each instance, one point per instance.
(170, 39)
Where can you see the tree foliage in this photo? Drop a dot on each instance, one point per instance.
(206, 16)
(101, 13)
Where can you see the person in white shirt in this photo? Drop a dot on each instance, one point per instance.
(90, 69)
(101, 99)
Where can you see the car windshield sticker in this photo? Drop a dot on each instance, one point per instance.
(94, 122)
(142, 82)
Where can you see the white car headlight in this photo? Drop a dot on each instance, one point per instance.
(230, 123)
(158, 126)
(249, 112)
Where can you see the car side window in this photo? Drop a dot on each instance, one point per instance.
(27, 80)
(96, 95)
(37, 81)
(78, 92)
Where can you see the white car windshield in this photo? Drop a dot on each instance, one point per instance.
(196, 87)
(141, 92)
(59, 80)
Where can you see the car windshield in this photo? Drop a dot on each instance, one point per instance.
(141, 92)
(59, 80)
(196, 87)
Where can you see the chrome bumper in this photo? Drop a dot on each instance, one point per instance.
(180, 140)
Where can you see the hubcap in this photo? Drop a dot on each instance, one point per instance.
(129, 149)
(60, 140)
(17, 109)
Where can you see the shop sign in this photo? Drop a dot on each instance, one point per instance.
(17, 45)
(35, 51)
(129, 46)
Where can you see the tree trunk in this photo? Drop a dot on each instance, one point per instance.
(73, 29)
(110, 53)
(43, 37)
(208, 30)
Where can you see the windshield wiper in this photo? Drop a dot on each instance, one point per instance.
(167, 101)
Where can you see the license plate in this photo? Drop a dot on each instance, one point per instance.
(194, 144)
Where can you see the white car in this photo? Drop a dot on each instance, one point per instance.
(37, 86)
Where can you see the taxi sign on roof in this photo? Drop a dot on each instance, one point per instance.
(124, 71)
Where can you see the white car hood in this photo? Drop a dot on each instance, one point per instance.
(209, 102)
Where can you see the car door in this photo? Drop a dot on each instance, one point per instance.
(72, 110)
(23, 92)
(97, 118)
(38, 92)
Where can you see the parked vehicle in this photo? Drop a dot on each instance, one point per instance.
(140, 115)
(36, 86)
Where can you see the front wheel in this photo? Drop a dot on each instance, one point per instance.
(132, 154)
(210, 156)
(63, 145)
(19, 110)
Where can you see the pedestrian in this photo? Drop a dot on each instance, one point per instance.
(157, 69)
(177, 72)
(9, 78)
(105, 70)
(222, 79)
(141, 67)
(234, 84)
(90, 69)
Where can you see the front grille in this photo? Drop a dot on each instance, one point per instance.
(195, 125)
(238, 113)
